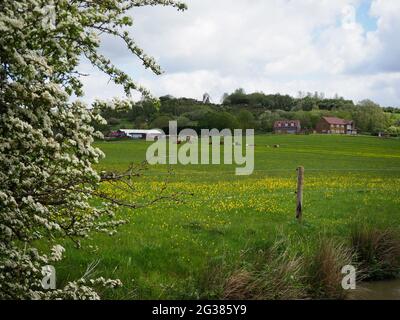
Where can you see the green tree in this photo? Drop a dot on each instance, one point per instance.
(369, 117)
(268, 119)
(47, 181)
(246, 119)
(161, 122)
(238, 97)
(184, 122)
(219, 120)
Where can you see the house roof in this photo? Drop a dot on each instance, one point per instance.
(282, 122)
(130, 132)
(337, 121)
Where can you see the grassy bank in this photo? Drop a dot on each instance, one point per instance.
(236, 227)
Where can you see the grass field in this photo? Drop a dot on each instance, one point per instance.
(171, 250)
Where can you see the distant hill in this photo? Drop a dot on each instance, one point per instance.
(257, 111)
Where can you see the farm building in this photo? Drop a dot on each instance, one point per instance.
(138, 134)
(332, 125)
(287, 126)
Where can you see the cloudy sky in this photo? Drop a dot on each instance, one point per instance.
(345, 47)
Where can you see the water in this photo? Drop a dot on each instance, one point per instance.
(381, 290)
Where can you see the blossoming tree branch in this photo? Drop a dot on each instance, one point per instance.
(47, 182)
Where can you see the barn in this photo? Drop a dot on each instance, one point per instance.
(140, 134)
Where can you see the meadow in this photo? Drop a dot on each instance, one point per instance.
(223, 223)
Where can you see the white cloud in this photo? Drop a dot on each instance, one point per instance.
(385, 39)
(271, 46)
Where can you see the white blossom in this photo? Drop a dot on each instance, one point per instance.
(46, 151)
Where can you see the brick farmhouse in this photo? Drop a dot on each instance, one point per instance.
(287, 126)
(332, 125)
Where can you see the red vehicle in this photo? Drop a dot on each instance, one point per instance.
(117, 134)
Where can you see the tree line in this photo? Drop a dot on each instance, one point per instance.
(256, 111)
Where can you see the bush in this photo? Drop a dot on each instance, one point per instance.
(277, 274)
(325, 277)
(284, 276)
(377, 252)
(279, 278)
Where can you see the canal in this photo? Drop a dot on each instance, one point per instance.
(381, 290)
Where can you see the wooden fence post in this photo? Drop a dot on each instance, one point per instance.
(300, 185)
